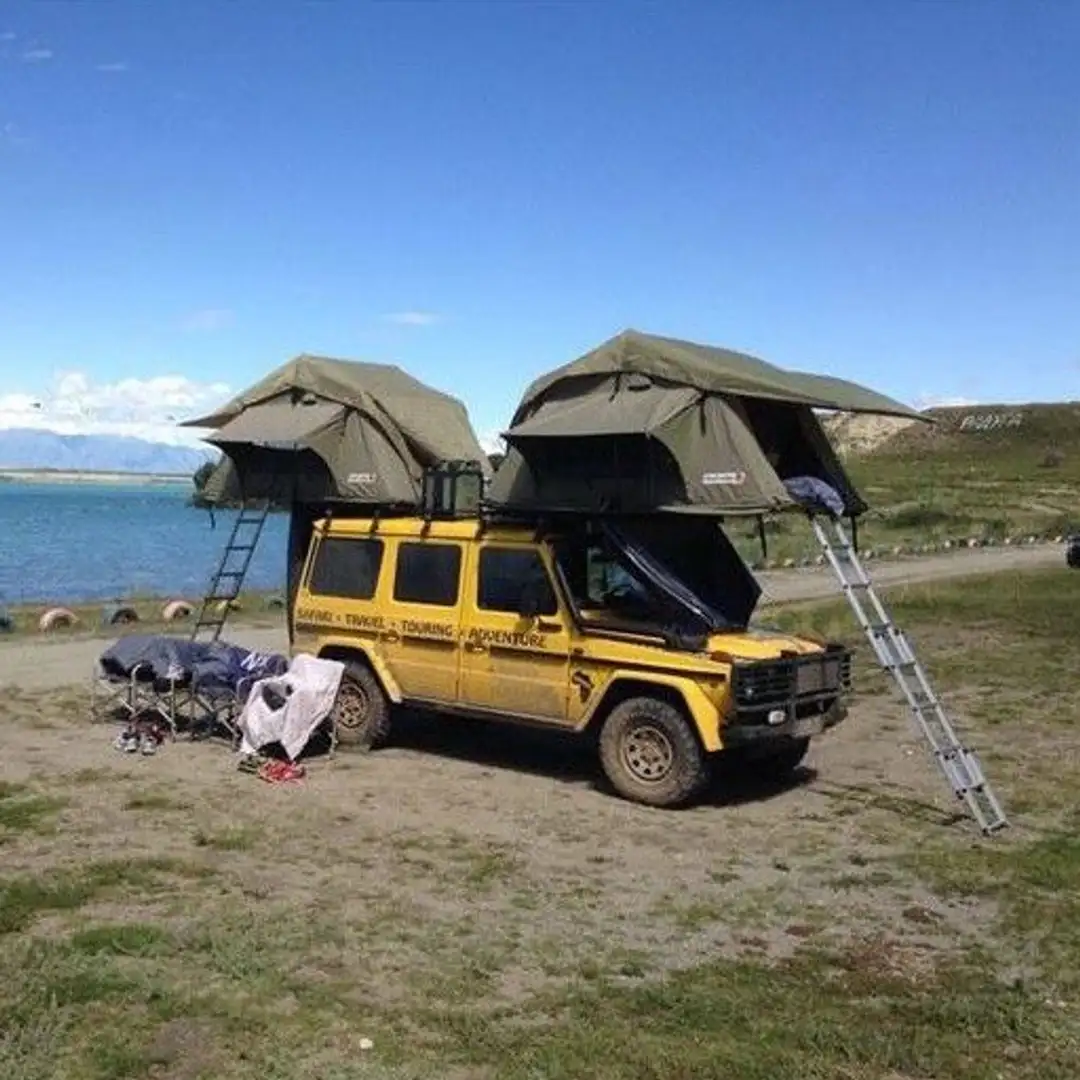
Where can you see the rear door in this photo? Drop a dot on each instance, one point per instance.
(421, 643)
(512, 664)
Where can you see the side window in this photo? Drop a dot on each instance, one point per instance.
(428, 574)
(346, 568)
(507, 575)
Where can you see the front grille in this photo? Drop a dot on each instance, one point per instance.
(775, 684)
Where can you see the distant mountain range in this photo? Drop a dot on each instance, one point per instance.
(26, 448)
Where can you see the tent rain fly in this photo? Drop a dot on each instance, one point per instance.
(645, 423)
(321, 430)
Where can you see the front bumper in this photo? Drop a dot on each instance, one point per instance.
(794, 697)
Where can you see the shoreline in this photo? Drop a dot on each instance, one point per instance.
(78, 476)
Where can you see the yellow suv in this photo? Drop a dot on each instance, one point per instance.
(636, 633)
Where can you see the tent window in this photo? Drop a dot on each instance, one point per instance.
(428, 574)
(346, 568)
(507, 574)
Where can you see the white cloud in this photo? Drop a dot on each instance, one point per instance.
(37, 56)
(206, 321)
(412, 318)
(935, 401)
(8, 35)
(144, 408)
(493, 443)
(115, 67)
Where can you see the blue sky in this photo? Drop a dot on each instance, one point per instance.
(191, 193)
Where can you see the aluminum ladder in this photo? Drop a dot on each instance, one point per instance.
(897, 657)
(228, 579)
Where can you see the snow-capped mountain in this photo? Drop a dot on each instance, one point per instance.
(28, 448)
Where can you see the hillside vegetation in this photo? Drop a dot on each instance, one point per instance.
(982, 474)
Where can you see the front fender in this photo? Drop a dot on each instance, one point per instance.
(702, 710)
(339, 648)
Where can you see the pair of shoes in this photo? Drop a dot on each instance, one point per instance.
(281, 772)
(148, 744)
(127, 741)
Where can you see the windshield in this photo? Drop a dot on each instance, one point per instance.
(618, 579)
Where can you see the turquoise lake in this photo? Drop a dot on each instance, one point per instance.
(71, 542)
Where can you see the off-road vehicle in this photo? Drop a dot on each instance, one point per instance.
(634, 632)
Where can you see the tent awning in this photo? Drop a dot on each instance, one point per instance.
(639, 412)
(278, 423)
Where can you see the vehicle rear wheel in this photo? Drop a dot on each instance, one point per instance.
(651, 755)
(781, 763)
(361, 712)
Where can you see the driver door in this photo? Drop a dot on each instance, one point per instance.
(514, 663)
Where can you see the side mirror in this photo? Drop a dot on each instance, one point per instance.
(534, 593)
(529, 608)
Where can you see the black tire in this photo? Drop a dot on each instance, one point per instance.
(361, 713)
(782, 762)
(651, 755)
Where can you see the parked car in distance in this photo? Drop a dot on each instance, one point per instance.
(1072, 551)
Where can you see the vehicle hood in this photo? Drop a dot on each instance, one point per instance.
(761, 645)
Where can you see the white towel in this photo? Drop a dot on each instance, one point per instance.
(307, 692)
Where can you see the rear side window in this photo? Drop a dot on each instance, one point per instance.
(507, 575)
(428, 574)
(346, 567)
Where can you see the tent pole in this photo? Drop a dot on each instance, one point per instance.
(761, 537)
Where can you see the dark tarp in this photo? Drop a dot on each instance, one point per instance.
(319, 430)
(646, 423)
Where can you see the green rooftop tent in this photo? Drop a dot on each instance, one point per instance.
(321, 430)
(645, 423)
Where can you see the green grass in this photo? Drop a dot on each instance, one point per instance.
(21, 812)
(23, 899)
(232, 838)
(927, 485)
(1021, 660)
(155, 802)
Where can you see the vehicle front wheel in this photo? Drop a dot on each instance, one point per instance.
(361, 712)
(650, 754)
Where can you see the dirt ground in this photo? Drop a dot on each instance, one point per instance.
(506, 843)
(448, 896)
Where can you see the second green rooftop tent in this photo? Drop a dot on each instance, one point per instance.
(319, 429)
(644, 423)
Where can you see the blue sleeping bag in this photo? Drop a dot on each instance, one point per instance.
(815, 494)
(211, 665)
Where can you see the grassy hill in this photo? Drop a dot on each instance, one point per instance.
(986, 473)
